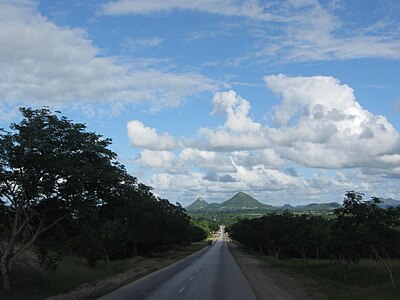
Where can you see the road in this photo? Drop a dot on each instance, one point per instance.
(211, 273)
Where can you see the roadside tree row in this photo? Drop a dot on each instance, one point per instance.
(62, 191)
(359, 229)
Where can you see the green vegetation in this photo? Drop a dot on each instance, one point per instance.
(315, 207)
(365, 280)
(72, 271)
(196, 205)
(63, 193)
(208, 224)
(360, 230)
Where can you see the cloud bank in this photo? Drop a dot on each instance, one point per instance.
(46, 64)
(319, 128)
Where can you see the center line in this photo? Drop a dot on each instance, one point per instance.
(191, 278)
(181, 290)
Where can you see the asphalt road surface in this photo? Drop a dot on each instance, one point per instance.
(209, 274)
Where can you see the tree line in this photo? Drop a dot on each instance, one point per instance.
(63, 192)
(358, 229)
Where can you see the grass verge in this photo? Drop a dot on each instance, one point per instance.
(367, 279)
(73, 273)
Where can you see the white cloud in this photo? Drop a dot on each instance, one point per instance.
(320, 124)
(291, 31)
(246, 8)
(161, 160)
(239, 132)
(236, 109)
(260, 177)
(43, 63)
(148, 138)
(310, 31)
(209, 160)
(221, 140)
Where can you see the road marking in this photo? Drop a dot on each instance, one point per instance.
(181, 290)
(191, 278)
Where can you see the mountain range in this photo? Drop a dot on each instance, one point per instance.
(244, 202)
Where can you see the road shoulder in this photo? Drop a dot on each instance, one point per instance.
(267, 283)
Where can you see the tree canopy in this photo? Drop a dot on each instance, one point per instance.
(61, 188)
(359, 229)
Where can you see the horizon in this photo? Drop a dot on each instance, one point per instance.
(284, 100)
(263, 202)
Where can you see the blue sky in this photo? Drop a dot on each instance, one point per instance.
(292, 101)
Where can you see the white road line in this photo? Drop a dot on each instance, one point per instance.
(191, 278)
(181, 290)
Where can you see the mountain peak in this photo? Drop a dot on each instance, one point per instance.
(198, 204)
(242, 200)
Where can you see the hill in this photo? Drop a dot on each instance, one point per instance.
(389, 202)
(198, 204)
(240, 201)
(287, 206)
(317, 207)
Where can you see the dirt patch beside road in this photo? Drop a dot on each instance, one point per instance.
(267, 283)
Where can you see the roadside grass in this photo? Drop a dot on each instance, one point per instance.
(74, 271)
(367, 279)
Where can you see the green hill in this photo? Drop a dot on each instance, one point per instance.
(200, 203)
(317, 207)
(242, 201)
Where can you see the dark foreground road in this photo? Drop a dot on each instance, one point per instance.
(209, 274)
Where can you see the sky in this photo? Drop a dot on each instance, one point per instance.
(293, 101)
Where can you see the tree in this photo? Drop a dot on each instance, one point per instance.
(362, 228)
(50, 169)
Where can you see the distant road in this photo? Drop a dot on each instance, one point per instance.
(209, 274)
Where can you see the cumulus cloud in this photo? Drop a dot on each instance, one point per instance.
(161, 160)
(239, 132)
(236, 110)
(43, 63)
(319, 123)
(211, 175)
(319, 126)
(141, 136)
(221, 140)
(261, 177)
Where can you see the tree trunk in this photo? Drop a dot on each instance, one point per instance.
(386, 262)
(106, 258)
(345, 270)
(5, 276)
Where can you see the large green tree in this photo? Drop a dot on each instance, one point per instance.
(50, 169)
